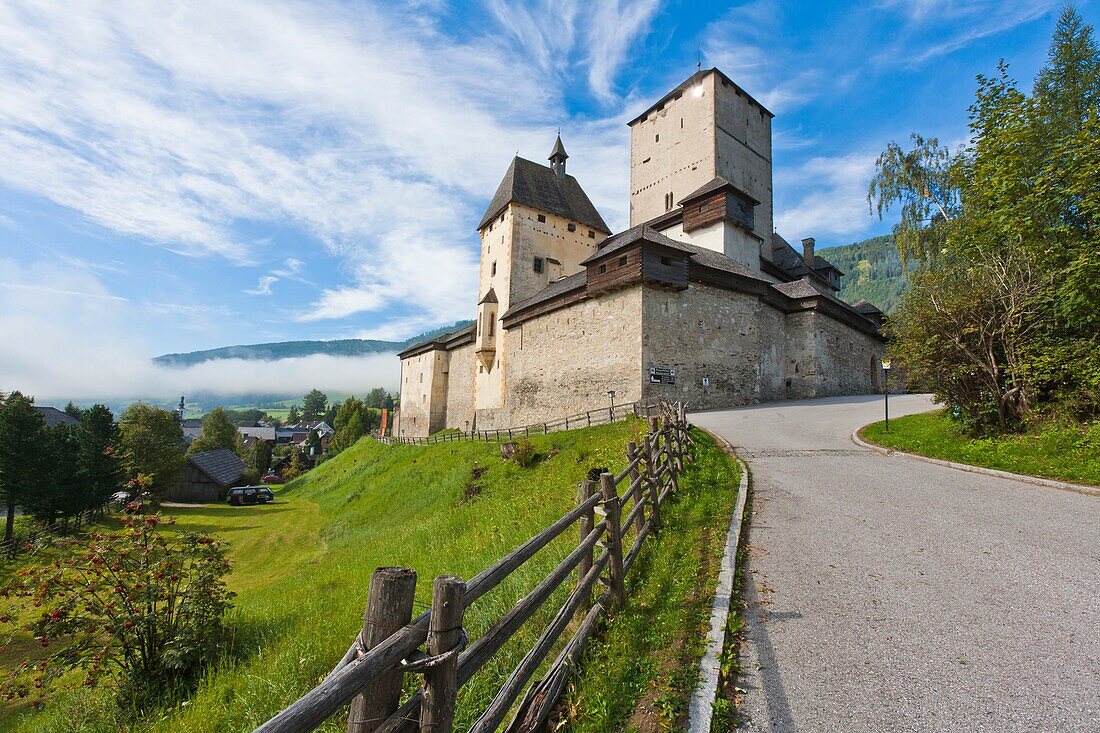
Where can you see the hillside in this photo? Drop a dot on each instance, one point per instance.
(300, 570)
(873, 271)
(291, 349)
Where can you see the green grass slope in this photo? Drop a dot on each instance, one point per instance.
(1054, 451)
(301, 566)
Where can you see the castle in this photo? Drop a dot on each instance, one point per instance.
(699, 300)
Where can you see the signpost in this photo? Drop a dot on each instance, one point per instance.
(662, 375)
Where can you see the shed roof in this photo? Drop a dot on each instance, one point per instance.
(223, 466)
(54, 416)
(532, 184)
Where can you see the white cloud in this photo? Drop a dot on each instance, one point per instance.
(264, 286)
(363, 126)
(830, 196)
(74, 340)
(614, 28)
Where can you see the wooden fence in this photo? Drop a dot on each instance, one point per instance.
(30, 541)
(612, 528)
(599, 416)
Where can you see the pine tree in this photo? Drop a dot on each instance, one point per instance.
(313, 405)
(1068, 87)
(100, 467)
(24, 453)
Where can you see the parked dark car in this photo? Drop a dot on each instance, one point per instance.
(249, 495)
(273, 478)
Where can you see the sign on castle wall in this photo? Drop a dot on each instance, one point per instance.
(662, 375)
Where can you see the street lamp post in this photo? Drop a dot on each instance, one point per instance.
(611, 410)
(886, 391)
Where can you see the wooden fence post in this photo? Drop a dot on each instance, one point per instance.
(389, 607)
(585, 491)
(632, 455)
(437, 710)
(614, 539)
(651, 481)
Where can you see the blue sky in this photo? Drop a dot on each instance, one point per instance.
(186, 175)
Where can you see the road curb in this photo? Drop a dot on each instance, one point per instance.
(1022, 478)
(701, 708)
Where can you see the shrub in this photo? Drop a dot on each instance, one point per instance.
(524, 454)
(127, 608)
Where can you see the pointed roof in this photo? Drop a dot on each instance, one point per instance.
(537, 186)
(559, 150)
(490, 297)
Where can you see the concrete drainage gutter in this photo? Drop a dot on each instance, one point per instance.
(701, 708)
(1033, 480)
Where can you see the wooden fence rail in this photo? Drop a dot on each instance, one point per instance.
(612, 512)
(31, 540)
(599, 416)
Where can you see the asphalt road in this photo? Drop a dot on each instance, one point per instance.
(890, 594)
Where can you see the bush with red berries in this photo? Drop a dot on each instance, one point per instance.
(130, 609)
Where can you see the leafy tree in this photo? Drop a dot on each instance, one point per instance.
(98, 460)
(377, 398)
(151, 446)
(258, 459)
(313, 405)
(1002, 320)
(294, 416)
(128, 608)
(295, 466)
(24, 453)
(218, 431)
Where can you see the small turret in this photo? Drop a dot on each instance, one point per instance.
(558, 157)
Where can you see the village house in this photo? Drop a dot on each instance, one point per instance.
(208, 476)
(699, 300)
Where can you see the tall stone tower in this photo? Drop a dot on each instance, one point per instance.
(706, 132)
(538, 228)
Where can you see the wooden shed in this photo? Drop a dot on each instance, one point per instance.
(208, 476)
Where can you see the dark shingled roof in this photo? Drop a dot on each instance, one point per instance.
(490, 297)
(632, 235)
(559, 150)
(537, 186)
(715, 184)
(798, 289)
(865, 307)
(785, 256)
(221, 465)
(554, 289)
(54, 416)
(444, 342)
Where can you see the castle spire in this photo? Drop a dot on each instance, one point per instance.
(557, 158)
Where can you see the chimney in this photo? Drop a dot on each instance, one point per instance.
(808, 251)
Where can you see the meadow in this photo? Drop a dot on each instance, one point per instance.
(301, 566)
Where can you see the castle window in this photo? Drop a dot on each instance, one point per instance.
(622, 260)
(542, 218)
(591, 234)
(572, 227)
(603, 269)
(681, 123)
(538, 264)
(657, 138)
(501, 217)
(494, 269)
(492, 325)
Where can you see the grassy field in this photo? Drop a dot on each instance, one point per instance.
(1067, 453)
(301, 565)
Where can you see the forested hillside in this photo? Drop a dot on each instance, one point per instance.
(873, 271)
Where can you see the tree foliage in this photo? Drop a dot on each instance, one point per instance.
(218, 431)
(314, 404)
(151, 446)
(24, 454)
(128, 608)
(1002, 319)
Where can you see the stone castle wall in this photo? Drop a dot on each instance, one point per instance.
(566, 361)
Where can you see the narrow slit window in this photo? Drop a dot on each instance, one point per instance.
(538, 265)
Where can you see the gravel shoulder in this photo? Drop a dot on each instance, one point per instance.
(886, 593)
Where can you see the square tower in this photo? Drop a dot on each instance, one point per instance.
(706, 128)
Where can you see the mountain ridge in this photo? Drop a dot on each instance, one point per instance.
(276, 350)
